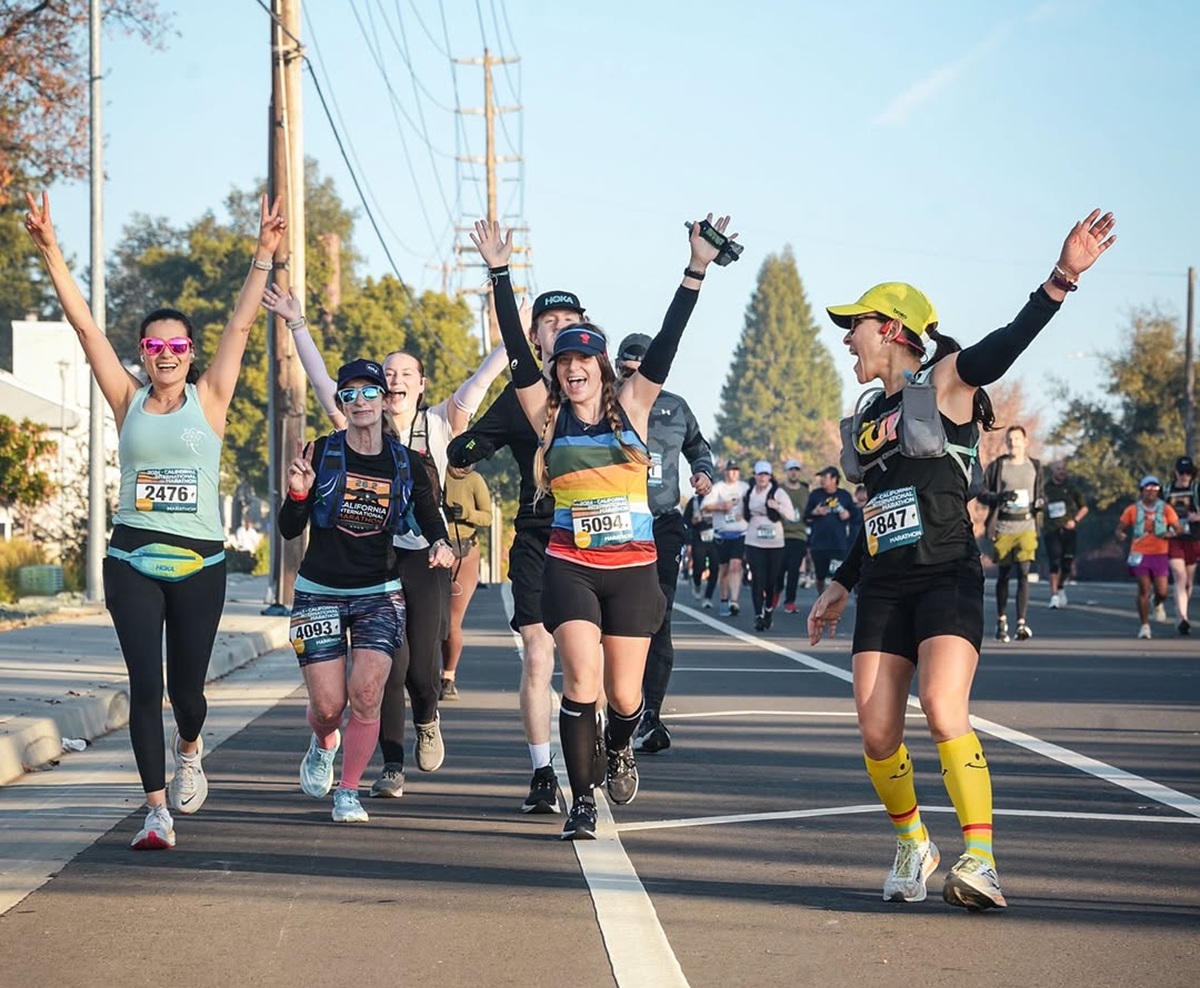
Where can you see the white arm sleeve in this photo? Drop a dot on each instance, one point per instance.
(470, 395)
(314, 367)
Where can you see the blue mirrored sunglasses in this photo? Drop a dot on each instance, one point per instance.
(347, 396)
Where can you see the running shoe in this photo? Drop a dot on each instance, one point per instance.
(581, 821)
(544, 792)
(1024, 632)
(449, 690)
(768, 617)
(974, 885)
(697, 593)
(1062, 598)
(428, 748)
(734, 608)
(759, 623)
(1002, 630)
(188, 788)
(158, 832)
(1055, 602)
(347, 808)
(622, 779)
(915, 861)
(724, 611)
(789, 608)
(1160, 614)
(1144, 631)
(1184, 627)
(390, 784)
(316, 771)
(651, 735)
(707, 605)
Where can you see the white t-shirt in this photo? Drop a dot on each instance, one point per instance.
(728, 524)
(762, 533)
(430, 430)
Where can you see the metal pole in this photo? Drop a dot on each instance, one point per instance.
(97, 463)
(1189, 368)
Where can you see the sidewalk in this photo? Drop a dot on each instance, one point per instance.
(66, 679)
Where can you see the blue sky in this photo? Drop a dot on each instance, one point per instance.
(950, 145)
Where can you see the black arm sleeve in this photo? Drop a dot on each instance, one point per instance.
(695, 447)
(661, 352)
(487, 434)
(425, 508)
(525, 371)
(848, 573)
(989, 359)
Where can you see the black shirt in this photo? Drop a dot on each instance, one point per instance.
(357, 552)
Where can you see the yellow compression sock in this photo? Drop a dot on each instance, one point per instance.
(893, 781)
(969, 783)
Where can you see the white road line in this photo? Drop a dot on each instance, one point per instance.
(1065, 756)
(638, 949)
(716, 821)
(769, 713)
(739, 669)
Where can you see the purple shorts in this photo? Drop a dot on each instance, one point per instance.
(1154, 566)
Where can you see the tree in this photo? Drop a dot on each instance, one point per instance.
(24, 448)
(782, 391)
(44, 83)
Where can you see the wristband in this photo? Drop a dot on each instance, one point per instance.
(495, 273)
(262, 265)
(1062, 281)
(296, 495)
(298, 323)
(689, 273)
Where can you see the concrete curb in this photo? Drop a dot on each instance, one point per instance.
(30, 743)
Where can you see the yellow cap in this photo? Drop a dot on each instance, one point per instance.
(893, 299)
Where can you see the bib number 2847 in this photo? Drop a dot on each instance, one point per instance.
(892, 519)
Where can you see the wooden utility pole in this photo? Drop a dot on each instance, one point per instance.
(489, 161)
(1189, 368)
(285, 179)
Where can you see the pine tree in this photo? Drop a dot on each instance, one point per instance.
(783, 390)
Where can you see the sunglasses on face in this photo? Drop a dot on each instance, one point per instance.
(347, 396)
(152, 346)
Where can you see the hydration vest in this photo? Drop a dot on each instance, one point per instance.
(1160, 519)
(331, 486)
(772, 514)
(922, 434)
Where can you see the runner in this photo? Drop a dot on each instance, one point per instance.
(469, 507)
(704, 555)
(921, 592)
(353, 490)
(795, 537)
(601, 599)
(426, 431)
(1153, 523)
(505, 424)
(1065, 509)
(724, 503)
(765, 507)
(1184, 549)
(828, 513)
(165, 567)
(673, 433)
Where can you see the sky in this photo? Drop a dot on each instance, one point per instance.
(950, 145)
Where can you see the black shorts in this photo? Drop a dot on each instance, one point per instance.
(896, 613)
(626, 602)
(823, 561)
(526, 562)
(1060, 547)
(728, 549)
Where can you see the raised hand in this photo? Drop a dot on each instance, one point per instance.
(1088, 239)
(271, 225)
(492, 247)
(301, 474)
(286, 305)
(704, 253)
(38, 223)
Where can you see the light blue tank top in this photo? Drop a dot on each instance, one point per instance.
(170, 465)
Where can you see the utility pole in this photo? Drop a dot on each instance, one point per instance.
(97, 462)
(489, 160)
(285, 178)
(1189, 368)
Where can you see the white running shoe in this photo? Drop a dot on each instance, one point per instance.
(974, 885)
(428, 748)
(915, 861)
(158, 832)
(1144, 631)
(1062, 598)
(188, 788)
(1055, 602)
(316, 771)
(1160, 614)
(347, 808)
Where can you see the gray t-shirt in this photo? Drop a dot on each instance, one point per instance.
(1016, 515)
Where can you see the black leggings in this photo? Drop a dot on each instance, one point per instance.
(417, 664)
(704, 556)
(191, 611)
(669, 536)
(1002, 574)
(794, 551)
(766, 565)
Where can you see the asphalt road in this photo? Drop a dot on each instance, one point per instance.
(753, 855)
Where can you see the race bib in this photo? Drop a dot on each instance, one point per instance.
(1134, 559)
(602, 521)
(1019, 505)
(892, 519)
(172, 489)
(765, 531)
(733, 517)
(316, 627)
(706, 535)
(1056, 509)
(654, 477)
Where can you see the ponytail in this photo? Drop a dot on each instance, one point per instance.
(981, 410)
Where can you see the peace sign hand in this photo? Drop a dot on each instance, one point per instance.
(38, 223)
(301, 474)
(271, 225)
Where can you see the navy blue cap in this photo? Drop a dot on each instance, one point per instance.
(580, 339)
(366, 370)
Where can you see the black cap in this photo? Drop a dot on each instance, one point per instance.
(831, 471)
(556, 300)
(1185, 465)
(367, 370)
(732, 464)
(633, 347)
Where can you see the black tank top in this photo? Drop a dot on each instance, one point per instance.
(940, 486)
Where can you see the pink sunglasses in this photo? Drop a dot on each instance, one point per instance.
(152, 346)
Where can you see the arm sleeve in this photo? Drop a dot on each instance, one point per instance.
(314, 367)
(695, 447)
(988, 360)
(487, 434)
(991, 476)
(481, 514)
(425, 508)
(525, 371)
(661, 352)
(851, 569)
(471, 393)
